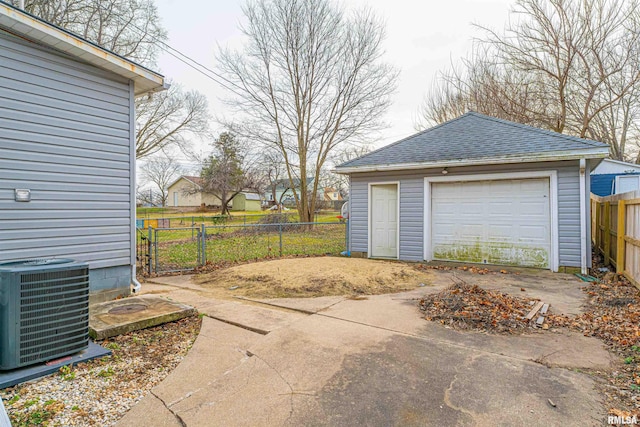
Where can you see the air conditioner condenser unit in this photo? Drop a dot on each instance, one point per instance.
(44, 310)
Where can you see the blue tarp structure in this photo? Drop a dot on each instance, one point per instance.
(603, 184)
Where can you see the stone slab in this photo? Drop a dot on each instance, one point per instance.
(252, 317)
(131, 314)
(303, 305)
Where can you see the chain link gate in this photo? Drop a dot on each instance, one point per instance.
(179, 249)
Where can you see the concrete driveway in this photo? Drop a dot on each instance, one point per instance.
(373, 362)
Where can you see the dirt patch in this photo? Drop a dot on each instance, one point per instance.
(308, 277)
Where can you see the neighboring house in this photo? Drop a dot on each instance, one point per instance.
(67, 163)
(613, 177)
(278, 192)
(475, 189)
(331, 194)
(185, 192)
(281, 191)
(249, 202)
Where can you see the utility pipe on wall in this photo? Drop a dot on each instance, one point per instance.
(583, 217)
(136, 285)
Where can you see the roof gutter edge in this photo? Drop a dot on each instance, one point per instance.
(594, 153)
(101, 57)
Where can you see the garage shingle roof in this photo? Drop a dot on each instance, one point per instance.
(474, 136)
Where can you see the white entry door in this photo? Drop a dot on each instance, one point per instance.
(493, 222)
(384, 221)
(175, 198)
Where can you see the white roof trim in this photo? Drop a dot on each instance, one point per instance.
(591, 153)
(31, 28)
(631, 165)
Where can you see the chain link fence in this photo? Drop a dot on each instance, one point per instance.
(171, 249)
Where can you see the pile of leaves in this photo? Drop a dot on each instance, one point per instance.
(464, 306)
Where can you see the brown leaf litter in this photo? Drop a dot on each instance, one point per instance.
(464, 306)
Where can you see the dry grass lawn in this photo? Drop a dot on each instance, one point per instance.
(313, 277)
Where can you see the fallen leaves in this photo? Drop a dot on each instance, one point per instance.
(464, 306)
(613, 314)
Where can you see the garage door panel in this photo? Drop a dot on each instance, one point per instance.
(532, 233)
(497, 222)
(499, 208)
(499, 232)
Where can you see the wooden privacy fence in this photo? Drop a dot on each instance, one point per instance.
(615, 232)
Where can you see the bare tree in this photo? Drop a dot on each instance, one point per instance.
(309, 78)
(130, 28)
(273, 170)
(345, 154)
(170, 119)
(571, 66)
(161, 171)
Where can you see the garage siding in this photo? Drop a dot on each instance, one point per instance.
(65, 134)
(411, 225)
(412, 206)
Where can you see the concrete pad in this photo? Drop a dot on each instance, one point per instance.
(309, 352)
(283, 370)
(150, 411)
(131, 314)
(390, 312)
(181, 281)
(411, 382)
(253, 394)
(252, 317)
(219, 348)
(304, 305)
(376, 361)
(564, 349)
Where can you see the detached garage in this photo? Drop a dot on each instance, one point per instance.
(476, 189)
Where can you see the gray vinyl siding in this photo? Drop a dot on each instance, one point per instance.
(65, 134)
(412, 206)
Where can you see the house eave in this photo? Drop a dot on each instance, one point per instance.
(31, 28)
(592, 153)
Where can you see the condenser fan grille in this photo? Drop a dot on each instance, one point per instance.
(54, 314)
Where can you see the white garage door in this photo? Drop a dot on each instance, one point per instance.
(494, 222)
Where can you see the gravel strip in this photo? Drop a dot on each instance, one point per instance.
(99, 392)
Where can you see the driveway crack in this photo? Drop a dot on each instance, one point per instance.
(174, 413)
(447, 393)
(291, 391)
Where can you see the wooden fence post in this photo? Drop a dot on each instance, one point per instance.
(596, 228)
(620, 237)
(607, 233)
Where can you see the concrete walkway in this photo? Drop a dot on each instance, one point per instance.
(373, 362)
